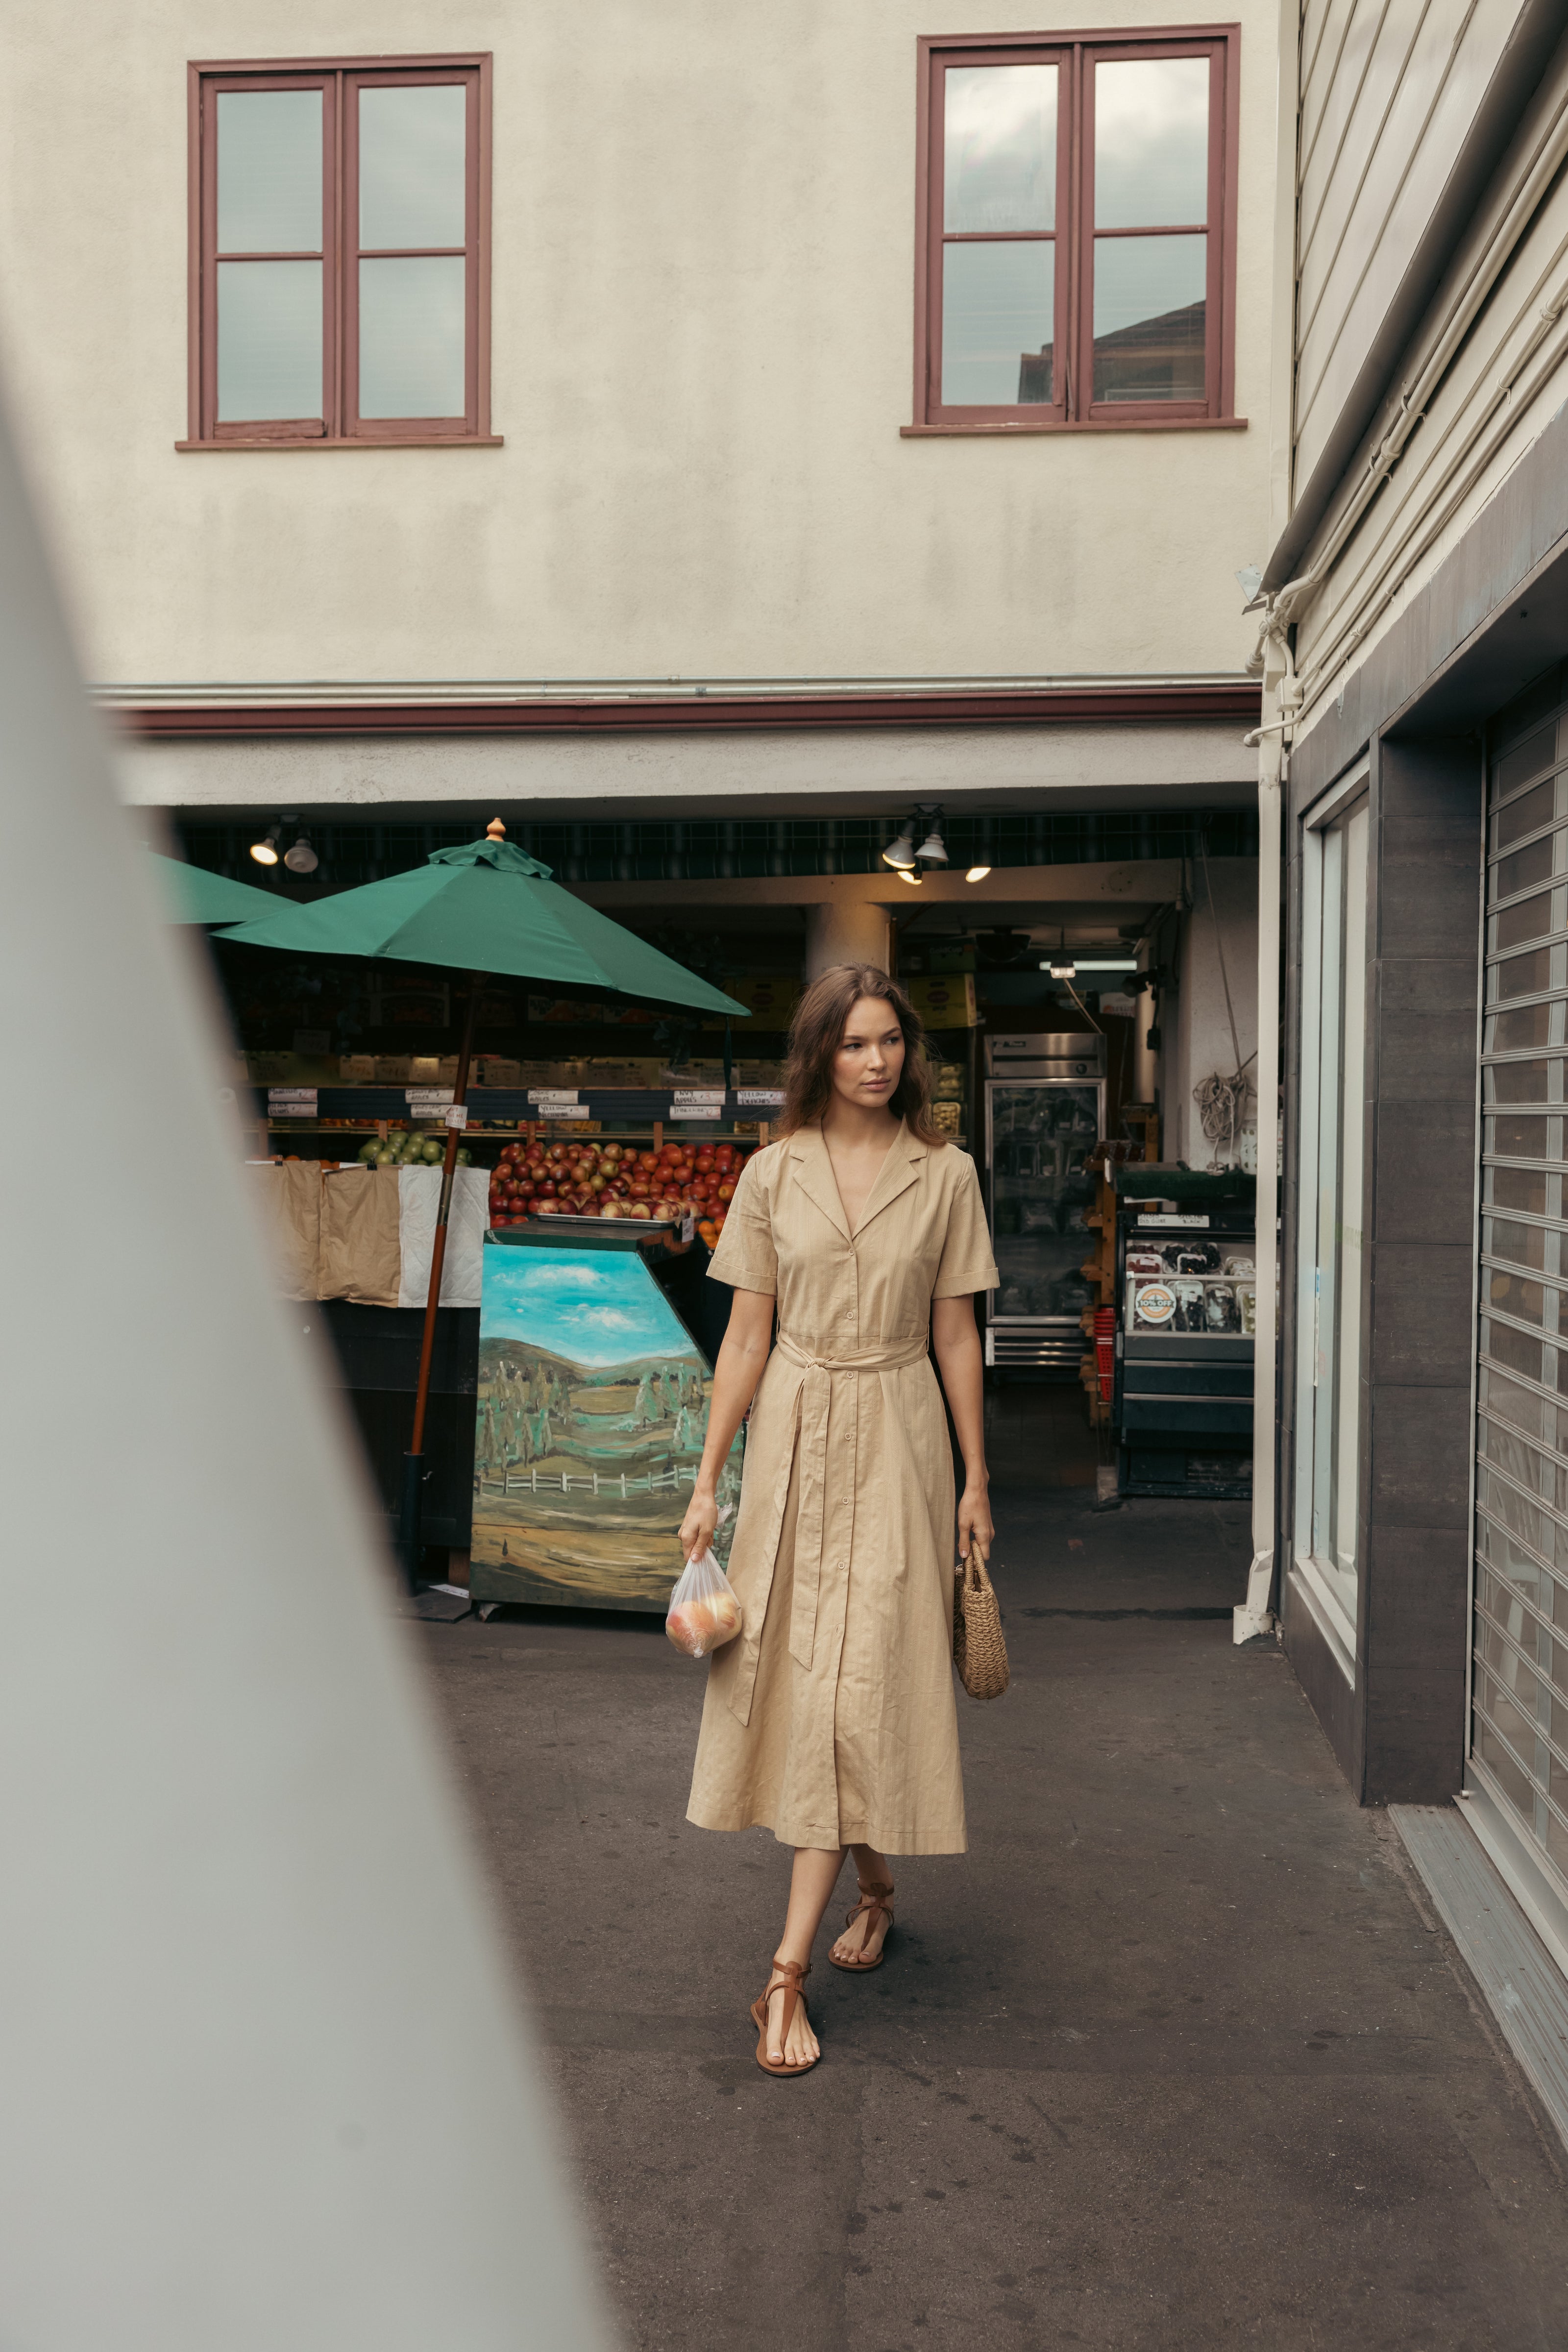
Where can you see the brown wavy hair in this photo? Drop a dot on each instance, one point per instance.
(817, 1033)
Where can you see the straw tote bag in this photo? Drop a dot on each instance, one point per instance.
(979, 1652)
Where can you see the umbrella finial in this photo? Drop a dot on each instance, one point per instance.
(495, 830)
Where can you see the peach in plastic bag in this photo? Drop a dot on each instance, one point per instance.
(703, 1612)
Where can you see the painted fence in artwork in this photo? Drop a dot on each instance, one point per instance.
(549, 1482)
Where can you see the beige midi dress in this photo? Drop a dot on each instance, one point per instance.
(830, 1718)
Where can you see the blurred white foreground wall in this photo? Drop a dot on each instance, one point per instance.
(265, 2083)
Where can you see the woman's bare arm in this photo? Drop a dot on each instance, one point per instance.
(956, 1342)
(748, 1342)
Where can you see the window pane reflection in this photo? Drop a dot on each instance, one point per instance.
(1151, 144)
(1331, 1169)
(269, 173)
(412, 345)
(1000, 148)
(1150, 318)
(997, 327)
(413, 152)
(269, 340)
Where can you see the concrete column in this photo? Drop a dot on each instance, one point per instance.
(851, 931)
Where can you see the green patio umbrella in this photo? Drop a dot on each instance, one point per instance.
(483, 907)
(486, 907)
(194, 896)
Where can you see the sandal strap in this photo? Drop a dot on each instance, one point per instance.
(794, 1973)
(872, 1899)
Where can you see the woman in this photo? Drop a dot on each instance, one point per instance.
(830, 1718)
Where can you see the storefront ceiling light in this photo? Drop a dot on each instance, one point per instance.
(900, 854)
(915, 881)
(1061, 968)
(1106, 963)
(301, 858)
(932, 850)
(977, 874)
(265, 851)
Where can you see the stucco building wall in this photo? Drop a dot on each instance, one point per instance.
(702, 308)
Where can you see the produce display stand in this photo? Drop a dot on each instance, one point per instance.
(346, 1114)
(483, 908)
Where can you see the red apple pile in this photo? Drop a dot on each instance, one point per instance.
(617, 1179)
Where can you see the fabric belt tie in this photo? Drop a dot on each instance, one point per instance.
(820, 1377)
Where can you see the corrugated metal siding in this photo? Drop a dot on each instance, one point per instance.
(1389, 89)
(1487, 411)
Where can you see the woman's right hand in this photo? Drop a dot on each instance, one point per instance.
(696, 1528)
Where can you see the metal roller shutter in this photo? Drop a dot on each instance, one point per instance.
(1519, 1664)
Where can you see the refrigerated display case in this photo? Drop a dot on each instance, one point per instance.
(1187, 1278)
(1040, 1131)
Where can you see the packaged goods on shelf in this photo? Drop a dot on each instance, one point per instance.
(565, 1009)
(771, 997)
(424, 1004)
(946, 1002)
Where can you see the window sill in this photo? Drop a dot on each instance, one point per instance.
(390, 441)
(1083, 424)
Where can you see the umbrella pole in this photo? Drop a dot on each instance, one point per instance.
(413, 1460)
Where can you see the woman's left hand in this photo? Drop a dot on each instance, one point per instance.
(975, 1525)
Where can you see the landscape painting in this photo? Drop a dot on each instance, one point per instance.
(591, 1415)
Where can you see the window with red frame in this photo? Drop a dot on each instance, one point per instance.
(339, 262)
(1076, 231)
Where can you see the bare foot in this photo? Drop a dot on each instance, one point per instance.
(868, 1930)
(799, 2046)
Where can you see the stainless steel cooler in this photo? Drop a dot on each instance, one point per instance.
(1044, 1110)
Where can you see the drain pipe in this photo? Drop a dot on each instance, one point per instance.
(1256, 1614)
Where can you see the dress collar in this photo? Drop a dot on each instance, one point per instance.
(814, 1174)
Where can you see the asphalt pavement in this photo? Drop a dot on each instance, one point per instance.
(1176, 2057)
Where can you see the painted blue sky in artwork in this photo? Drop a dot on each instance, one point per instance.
(596, 1306)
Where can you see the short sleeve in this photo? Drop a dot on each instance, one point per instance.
(745, 1258)
(966, 1265)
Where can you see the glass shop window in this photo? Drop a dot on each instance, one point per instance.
(1330, 1167)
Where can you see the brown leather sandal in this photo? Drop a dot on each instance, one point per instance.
(873, 1898)
(793, 1974)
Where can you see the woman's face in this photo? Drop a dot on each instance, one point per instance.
(870, 1057)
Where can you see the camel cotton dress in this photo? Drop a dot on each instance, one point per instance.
(830, 1718)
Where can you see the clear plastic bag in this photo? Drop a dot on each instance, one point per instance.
(703, 1612)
